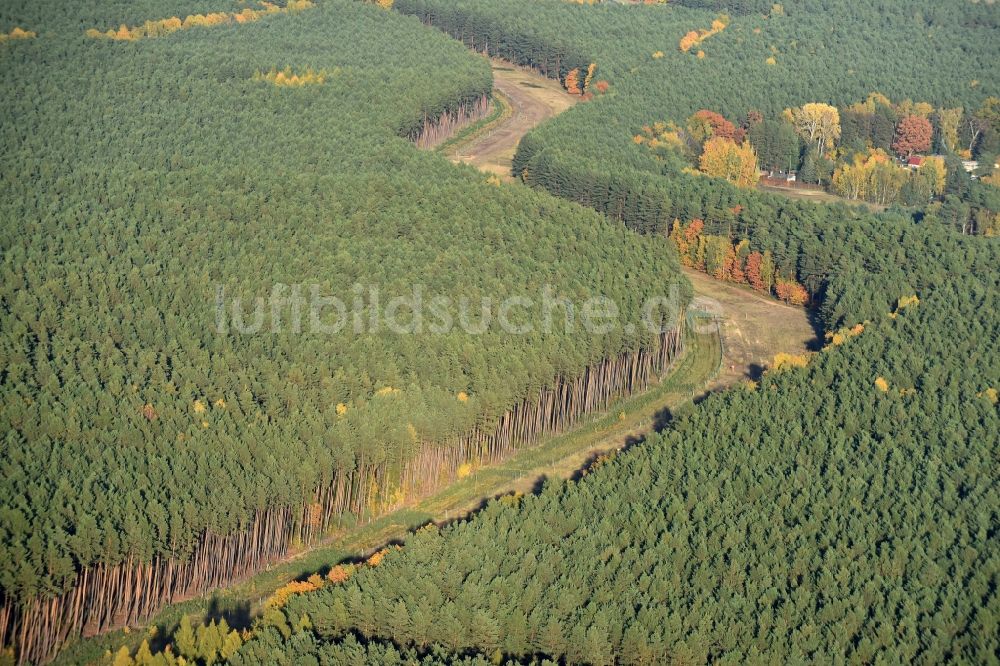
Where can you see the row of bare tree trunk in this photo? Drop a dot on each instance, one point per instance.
(107, 596)
(438, 130)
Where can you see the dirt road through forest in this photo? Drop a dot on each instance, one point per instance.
(754, 327)
(532, 98)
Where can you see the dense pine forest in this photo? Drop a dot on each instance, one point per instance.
(841, 511)
(148, 455)
(163, 158)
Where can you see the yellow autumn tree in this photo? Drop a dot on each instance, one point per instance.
(17, 33)
(660, 135)
(289, 78)
(872, 177)
(910, 108)
(818, 124)
(935, 172)
(850, 181)
(376, 558)
(783, 361)
(124, 34)
(688, 41)
(722, 158)
(949, 121)
(161, 27)
(842, 335)
(695, 37)
(874, 100)
(590, 75)
(285, 592)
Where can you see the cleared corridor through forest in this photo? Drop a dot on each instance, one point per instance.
(754, 327)
(532, 99)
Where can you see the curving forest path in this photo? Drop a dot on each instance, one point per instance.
(532, 98)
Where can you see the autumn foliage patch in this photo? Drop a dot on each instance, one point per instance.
(163, 27)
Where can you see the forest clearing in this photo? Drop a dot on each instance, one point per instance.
(755, 328)
(815, 195)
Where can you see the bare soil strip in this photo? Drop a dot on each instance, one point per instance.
(533, 98)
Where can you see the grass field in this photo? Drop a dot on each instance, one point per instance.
(754, 327)
(818, 196)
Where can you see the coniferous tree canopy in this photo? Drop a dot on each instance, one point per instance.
(144, 175)
(845, 510)
(842, 511)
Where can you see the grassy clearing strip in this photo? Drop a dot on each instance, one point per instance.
(560, 456)
(502, 110)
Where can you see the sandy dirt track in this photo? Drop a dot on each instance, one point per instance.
(532, 98)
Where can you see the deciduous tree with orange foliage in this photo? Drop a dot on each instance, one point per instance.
(688, 41)
(913, 135)
(760, 271)
(705, 123)
(572, 82)
(791, 291)
(695, 37)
